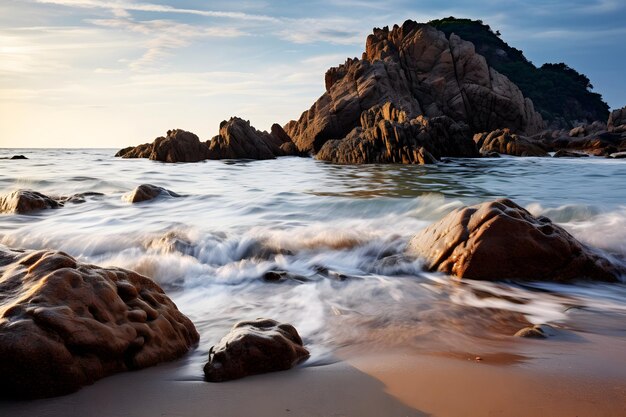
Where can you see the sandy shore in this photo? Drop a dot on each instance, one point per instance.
(581, 377)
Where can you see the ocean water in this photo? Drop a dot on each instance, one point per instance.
(337, 233)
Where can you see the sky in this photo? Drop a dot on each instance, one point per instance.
(108, 74)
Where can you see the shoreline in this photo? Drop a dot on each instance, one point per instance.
(586, 377)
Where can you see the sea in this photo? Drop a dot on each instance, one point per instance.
(331, 240)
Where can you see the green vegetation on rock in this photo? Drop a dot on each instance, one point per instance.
(559, 93)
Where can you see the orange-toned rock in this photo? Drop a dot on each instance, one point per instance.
(500, 240)
(386, 135)
(504, 142)
(255, 347)
(178, 146)
(65, 324)
(26, 201)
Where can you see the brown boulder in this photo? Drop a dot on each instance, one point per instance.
(386, 135)
(239, 140)
(500, 240)
(255, 347)
(505, 142)
(146, 192)
(25, 201)
(420, 71)
(65, 324)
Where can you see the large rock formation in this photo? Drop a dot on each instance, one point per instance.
(500, 240)
(237, 140)
(26, 201)
(64, 324)
(255, 347)
(504, 142)
(178, 146)
(386, 135)
(420, 71)
(146, 192)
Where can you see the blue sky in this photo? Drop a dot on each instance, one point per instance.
(97, 73)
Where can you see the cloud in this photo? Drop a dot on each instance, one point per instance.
(121, 7)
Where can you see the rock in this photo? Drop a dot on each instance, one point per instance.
(500, 240)
(178, 146)
(255, 347)
(562, 153)
(578, 131)
(239, 140)
(617, 121)
(618, 155)
(18, 157)
(25, 201)
(490, 154)
(532, 332)
(147, 192)
(65, 324)
(80, 198)
(421, 72)
(387, 135)
(504, 142)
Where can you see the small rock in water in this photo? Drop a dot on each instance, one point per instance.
(618, 155)
(533, 332)
(26, 201)
(18, 157)
(147, 192)
(562, 153)
(255, 347)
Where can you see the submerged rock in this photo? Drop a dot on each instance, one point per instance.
(500, 240)
(26, 201)
(420, 71)
(386, 135)
(504, 142)
(532, 332)
(65, 324)
(255, 347)
(146, 192)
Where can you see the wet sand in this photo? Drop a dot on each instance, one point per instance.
(582, 376)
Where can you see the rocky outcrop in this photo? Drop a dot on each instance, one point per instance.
(146, 192)
(65, 324)
(504, 142)
(239, 140)
(500, 240)
(255, 347)
(420, 71)
(617, 121)
(386, 135)
(178, 146)
(26, 201)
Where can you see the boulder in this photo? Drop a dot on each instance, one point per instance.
(178, 146)
(65, 324)
(146, 192)
(531, 332)
(239, 140)
(255, 347)
(618, 155)
(500, 240)
(26, 201)
(617, 121)
(386, 135)
(505, 142)
(420, 71)
(18, 157)
(578, 131)
(562, 153)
